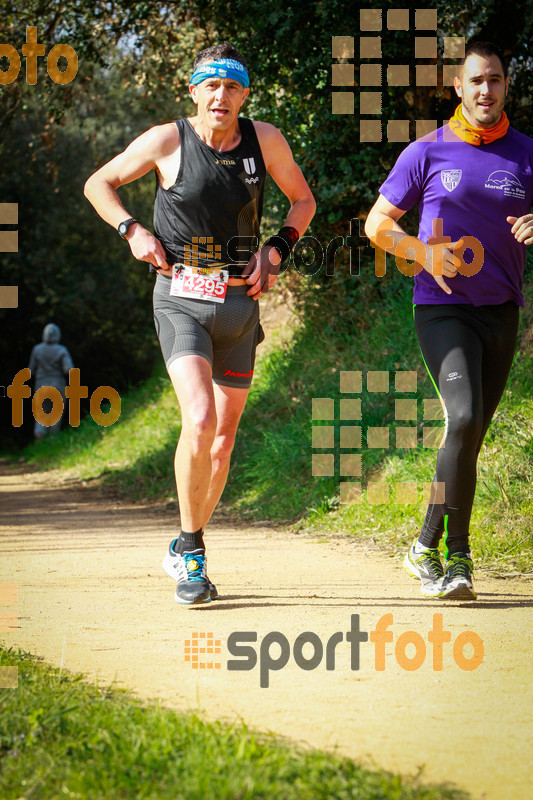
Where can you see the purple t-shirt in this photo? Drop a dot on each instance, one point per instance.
(472, 188)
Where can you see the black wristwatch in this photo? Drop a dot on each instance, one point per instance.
(124, 227)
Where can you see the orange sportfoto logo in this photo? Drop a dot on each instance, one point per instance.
(31, 50)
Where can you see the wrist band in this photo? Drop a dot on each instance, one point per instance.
(284, 241)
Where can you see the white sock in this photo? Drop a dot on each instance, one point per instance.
(421, 548)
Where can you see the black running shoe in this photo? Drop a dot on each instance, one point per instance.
(457, 581)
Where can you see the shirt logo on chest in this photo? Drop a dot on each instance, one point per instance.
(507, 183)
(450, 178)
(249, 166)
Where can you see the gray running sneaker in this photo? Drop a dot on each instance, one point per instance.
(457, 581)
(427, 567)
(189, 570)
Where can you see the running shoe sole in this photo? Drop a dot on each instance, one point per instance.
(460, 592)
(190, 602)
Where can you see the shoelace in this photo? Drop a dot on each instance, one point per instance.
(459, 567)
(433, 557)
(197, 574)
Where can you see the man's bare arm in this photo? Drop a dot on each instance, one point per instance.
(145, 153)
(262, 269)
(281, 165)
(385, 212)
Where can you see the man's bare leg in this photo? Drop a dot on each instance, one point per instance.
(229, 403)
(185, 560)
(210, 417)
(192, 380)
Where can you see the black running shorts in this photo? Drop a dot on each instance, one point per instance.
(226, 334)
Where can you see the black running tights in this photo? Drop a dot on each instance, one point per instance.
(468, 352)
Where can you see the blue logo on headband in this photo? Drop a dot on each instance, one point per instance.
(222, 68)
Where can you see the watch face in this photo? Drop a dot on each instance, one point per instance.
(124, 226)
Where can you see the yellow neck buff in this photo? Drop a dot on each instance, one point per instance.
(471, 135)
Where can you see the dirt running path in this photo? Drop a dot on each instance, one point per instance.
(93, 598)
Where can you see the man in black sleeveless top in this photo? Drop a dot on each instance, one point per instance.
(210, 172)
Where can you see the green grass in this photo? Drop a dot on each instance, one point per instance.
(273, 468)
(270, 477)
(61, 737)
(502, 520)
(134, 456)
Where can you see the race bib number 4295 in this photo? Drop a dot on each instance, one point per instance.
(199, 283)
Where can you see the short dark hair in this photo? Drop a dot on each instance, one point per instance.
(222, 50)
(484, 49)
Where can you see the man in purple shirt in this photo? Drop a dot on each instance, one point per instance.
(473, 183)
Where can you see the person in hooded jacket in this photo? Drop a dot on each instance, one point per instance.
(50, 363)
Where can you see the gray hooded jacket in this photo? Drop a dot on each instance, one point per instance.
(50, 361)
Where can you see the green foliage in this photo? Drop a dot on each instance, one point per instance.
(62, 737)
(134, 62)
(288, 49)
(270, 477)
(72, 268)
(135, 59)
(272, 470)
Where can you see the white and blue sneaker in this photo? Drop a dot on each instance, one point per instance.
(189, 570)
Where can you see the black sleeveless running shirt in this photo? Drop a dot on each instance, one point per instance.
(218, 196)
